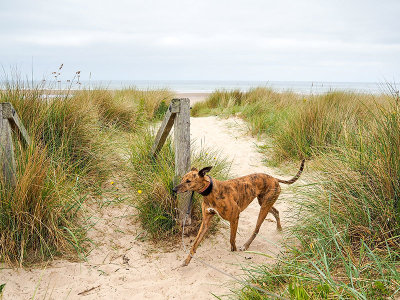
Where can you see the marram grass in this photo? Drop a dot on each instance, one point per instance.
(300, 125)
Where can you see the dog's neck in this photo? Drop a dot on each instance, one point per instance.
(208, 188)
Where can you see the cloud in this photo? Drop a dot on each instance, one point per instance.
(77, 38)
(209, 39)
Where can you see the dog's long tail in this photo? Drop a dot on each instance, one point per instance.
(295, 177)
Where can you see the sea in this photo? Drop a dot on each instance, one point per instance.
(208, 86)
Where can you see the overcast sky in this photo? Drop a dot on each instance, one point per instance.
(203, 39)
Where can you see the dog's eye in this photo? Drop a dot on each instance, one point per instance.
(188, 181)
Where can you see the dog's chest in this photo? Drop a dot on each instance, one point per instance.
(212, 210)
(211, 206)
(219, 208)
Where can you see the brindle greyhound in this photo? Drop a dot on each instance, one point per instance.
(229, 198)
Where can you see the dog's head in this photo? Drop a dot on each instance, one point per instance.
(194, 180)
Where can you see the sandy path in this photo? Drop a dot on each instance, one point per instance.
(194, 97)
(124, 267)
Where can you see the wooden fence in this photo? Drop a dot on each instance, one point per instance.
(9, 123)
(178, 116)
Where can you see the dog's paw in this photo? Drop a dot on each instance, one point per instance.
(233, 248)
(243, 248)
(184, 264)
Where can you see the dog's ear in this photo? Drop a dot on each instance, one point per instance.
(194, 169)
(203, 171)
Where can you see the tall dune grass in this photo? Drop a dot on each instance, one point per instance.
(319, 123)
(67, 126)
(301, 126)
(38, 219)
(127, 109)
(152, 103)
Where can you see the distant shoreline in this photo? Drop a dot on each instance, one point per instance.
(209, 86)
(194, 97)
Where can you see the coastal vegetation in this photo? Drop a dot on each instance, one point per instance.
(75, 135)
(345, 242)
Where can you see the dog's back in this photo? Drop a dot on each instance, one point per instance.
(244, 189)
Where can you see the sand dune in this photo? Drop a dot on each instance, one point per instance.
(125, 267)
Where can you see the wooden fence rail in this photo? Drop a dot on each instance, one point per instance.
(178, 115)
(10, 122)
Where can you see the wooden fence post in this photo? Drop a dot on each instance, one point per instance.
(7, 159)
(16, 124)
(178, 115)
(166, 126)
(182, 153)
(9, 122)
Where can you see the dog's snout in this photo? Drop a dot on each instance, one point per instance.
(175, 189)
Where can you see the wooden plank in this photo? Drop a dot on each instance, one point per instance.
(7, 161)
(165, 127)
(16, 124)
(182, 153)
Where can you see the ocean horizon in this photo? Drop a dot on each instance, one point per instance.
(208, 86)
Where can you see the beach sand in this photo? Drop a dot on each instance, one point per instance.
(194, 97)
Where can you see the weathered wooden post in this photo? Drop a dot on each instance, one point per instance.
(178, 115)
(166, 126)
(182, 153)
(7, 159)
(9, 122)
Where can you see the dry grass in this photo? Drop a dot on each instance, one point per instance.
(127, 109)
(38, 219)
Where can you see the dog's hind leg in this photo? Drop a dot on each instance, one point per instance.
(267, 201)
(261, 217)
(275, 213)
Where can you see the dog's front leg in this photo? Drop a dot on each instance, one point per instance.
(205, 224)
(234, 221)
